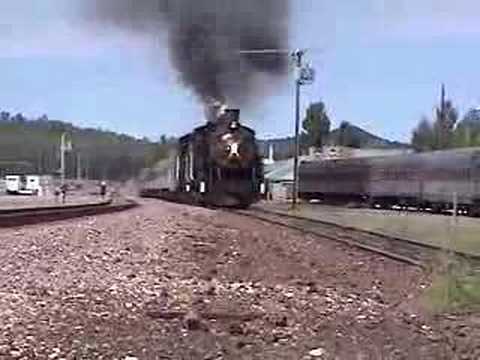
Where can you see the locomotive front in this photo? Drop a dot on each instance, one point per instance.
(233, 146)
(235, 162)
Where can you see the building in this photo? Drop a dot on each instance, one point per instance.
(279, 179)
(343, 152)
(270, 160)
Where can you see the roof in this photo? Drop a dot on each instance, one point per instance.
(282, 171)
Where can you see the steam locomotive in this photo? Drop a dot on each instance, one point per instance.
(433, 180)
(218, 165)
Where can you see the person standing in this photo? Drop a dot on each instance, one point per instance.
(63, 190)
(57, 192)
(103, 189)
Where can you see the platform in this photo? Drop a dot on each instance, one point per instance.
(19, 202)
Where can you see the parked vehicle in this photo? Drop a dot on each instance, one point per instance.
(23, 184)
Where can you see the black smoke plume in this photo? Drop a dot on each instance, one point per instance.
(205, 37)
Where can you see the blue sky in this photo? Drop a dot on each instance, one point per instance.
(379, 65)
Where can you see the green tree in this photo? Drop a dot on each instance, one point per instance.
(19, 118)
(423, 138)
(467, 132)
(4, 116)
(316, 124)
(446, 118)
(442, 133)
(159, 151)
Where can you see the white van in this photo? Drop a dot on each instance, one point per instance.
(12, 183)
(23, 185)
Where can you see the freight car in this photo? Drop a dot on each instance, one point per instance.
(218, 164)
(433, 180)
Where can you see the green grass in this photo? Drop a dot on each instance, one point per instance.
(437, 230)
(462, 235)
(457, 290)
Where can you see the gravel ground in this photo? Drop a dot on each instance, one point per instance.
(168, 281)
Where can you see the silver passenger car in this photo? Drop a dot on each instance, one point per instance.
(433, 180)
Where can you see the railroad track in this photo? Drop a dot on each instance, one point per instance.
(404, 250)
(28, 216)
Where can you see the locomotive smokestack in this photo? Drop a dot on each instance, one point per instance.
(205, 38)
(214, 110)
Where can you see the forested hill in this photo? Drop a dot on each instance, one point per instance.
(34, 146)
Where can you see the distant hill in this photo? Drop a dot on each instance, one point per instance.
(357, 137)
(33, 146)
(363, 139)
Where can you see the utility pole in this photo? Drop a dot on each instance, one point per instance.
(87, 168)
(304, 75)
(62, 158)
(298, 58)
(63, 148)
(79, 166)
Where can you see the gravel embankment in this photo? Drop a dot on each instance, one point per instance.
(168, 281)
